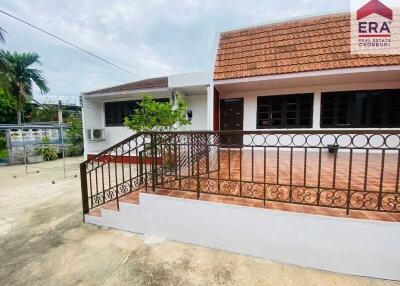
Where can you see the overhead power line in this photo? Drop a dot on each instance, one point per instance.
(67, 42)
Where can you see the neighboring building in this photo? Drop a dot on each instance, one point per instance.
(106, 108)
(297, 74)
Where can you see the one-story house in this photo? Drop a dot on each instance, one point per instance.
(297, 74)
(313, 132)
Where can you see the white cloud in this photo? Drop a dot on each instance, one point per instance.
(150, 38)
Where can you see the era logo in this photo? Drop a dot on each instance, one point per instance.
(374, 27)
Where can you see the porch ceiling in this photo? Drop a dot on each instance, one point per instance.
(306, 79)
(193, 90)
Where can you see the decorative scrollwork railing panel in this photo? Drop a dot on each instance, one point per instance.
(346, 169)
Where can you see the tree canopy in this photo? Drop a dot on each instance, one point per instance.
(8, 108)
(15, 69)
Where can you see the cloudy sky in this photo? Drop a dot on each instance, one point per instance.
(149, 38)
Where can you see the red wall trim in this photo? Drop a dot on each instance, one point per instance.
(216, 110)
(124, 159)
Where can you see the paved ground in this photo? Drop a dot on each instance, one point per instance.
(44, 242)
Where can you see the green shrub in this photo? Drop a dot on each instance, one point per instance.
(75, 137)
(3, 143)
(74, 150)
(3, 154)
(48, 151)
(157, 116)
(3, 146)
(50, 113)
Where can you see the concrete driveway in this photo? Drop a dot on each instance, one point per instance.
(44, 242)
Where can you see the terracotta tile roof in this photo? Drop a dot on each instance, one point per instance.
(310, 44)
(158, 82)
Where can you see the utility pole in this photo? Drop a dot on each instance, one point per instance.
(60, 122)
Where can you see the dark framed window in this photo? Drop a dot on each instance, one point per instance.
(361, 109)
(285, 111)
(115, 112)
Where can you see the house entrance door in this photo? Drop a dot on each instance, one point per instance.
(232, 120)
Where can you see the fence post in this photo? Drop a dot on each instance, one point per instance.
(207, 154)
(349, 183)
(191, 152)
(84, 191)
(175, 159)
(198, 177)
(153, 162)
(141, 168)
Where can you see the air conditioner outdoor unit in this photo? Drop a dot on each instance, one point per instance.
(94, 134)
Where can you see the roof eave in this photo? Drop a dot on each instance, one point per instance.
(125, 92)
(308, 74)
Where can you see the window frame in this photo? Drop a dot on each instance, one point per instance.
(284, 110)
(123, 109)
(360, 108)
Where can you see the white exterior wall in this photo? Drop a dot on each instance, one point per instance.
(198, 105)
(250, 99)
(345, 245)
(94, 117)
(190, 79)
(210, 107)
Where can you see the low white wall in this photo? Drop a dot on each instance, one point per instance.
(359, 247)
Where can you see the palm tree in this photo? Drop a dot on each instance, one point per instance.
(15, 67)
(2, 35)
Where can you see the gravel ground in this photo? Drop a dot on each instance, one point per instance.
(44, 242)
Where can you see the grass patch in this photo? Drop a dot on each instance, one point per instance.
(4, 154)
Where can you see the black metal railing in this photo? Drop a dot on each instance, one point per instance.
(113, 173)
(350, 170)
(134, 164)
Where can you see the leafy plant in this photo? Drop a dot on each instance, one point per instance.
(8, 107)
(3, 142)
(3, 146)
(50, 113)
(157, 116)
(48, 151)
(75, 137)
(4, 154)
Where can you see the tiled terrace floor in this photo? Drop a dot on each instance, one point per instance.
(249, 166)
(325, 173)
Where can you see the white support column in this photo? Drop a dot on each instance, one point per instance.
(317, 109)
(84, 126)
(210, 107)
